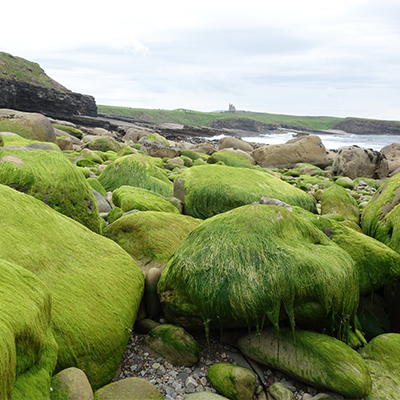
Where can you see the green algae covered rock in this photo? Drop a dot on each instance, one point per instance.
(213, 189)
(95, 184)
(129, 389)
(136, 170)
(311, 357)
(27, 347)
(151, 234)
(346, 182)
(377, 265)
(336, 200)
(382, 356)
(250, 264)
(232, 381)
(380, 218)
(134, 198)
(71, 384)
(204, 396)
(230, 158)
(173, 344)
(104, 144)
(95, 286)
(50, 177)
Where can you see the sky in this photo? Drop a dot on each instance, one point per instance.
(339, 58)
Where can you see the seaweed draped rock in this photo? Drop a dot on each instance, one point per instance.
(95, 286)
(257, 263)
(208, 190)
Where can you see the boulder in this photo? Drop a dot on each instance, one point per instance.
(204, 396)
(230, 158)
(71, 384)
(311, 357)
(233, 381)
(102, 204)
(207, 190)
(135, 134)
(305, 149)
(234, 142)
(355, 162)
(345, 182)
(51, 178)
(27, 347)
(380, 217)
(160, 150)
(279, 391)
(255, 264)
(64, 142)
(103, 144)
(129, 389)
(205, 148)
(88, 158)
(136, 170)
(134, 198)
(377, 265)
(173, 344)
(381, 356)
(95, 286)
(156, 137)
(336, 200)
(150, 235)
(392, 154)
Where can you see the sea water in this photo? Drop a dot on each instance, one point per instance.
(330, 141)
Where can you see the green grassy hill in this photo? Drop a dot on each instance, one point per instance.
(197, 118)
(18, 69)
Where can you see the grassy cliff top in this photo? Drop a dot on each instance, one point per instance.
(18, 69)
(197, 118)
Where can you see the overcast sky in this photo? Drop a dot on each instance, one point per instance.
(311, 57)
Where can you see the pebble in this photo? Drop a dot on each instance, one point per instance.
(175, 382)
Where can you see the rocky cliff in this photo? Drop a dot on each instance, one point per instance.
(24, 86)
(369, 127)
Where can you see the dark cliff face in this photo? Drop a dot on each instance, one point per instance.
(24, 96)
(369, 127)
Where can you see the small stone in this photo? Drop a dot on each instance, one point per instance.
(156, 365)
(199, 389)
(203, 381)
(306, 396)
(289, 385)
(190, 382)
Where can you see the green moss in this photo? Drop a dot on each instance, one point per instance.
(69, 129)
(28, 351)
(134, 198)
(50, 177)
(7, 125)
(230, 158)
(377, 265)
(191, 154)
(114, 214)
(151, 234)
(155, 137)
(311, 357)
(105, 144)
(96, 185)
(95, 286)
(251, 264)
(381, 357)
(136, 170)
(337, 200)
(381, 215)
(214, 189)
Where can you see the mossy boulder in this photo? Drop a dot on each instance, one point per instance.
(129, 389)
(134, 198)
(233, 381)
(69, 129)
(136, 170)
(377, 265)
(114, 214)
(230, 158)
(155, 137)
(173, 344)
(151, 234)
(27, 347)
(33, 126)
(104, 144)
(255, 264)
(51, 178)
(336, 200)
(380, 218)
(95, 286)
(71, 384)
(346, 182)
(213, 189)
(96, 185)
(382, 356)
(311, 357)
(88, 158)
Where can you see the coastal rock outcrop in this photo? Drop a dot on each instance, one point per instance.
(356, 162)
(305, 149)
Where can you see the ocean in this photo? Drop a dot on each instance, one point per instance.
(330, 141)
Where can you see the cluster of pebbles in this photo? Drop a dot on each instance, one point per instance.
(175, 382)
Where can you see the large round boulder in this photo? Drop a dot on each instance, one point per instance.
(356, 162)
(255, 264)
(305, 149)
(95, 286)
(207, 190)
